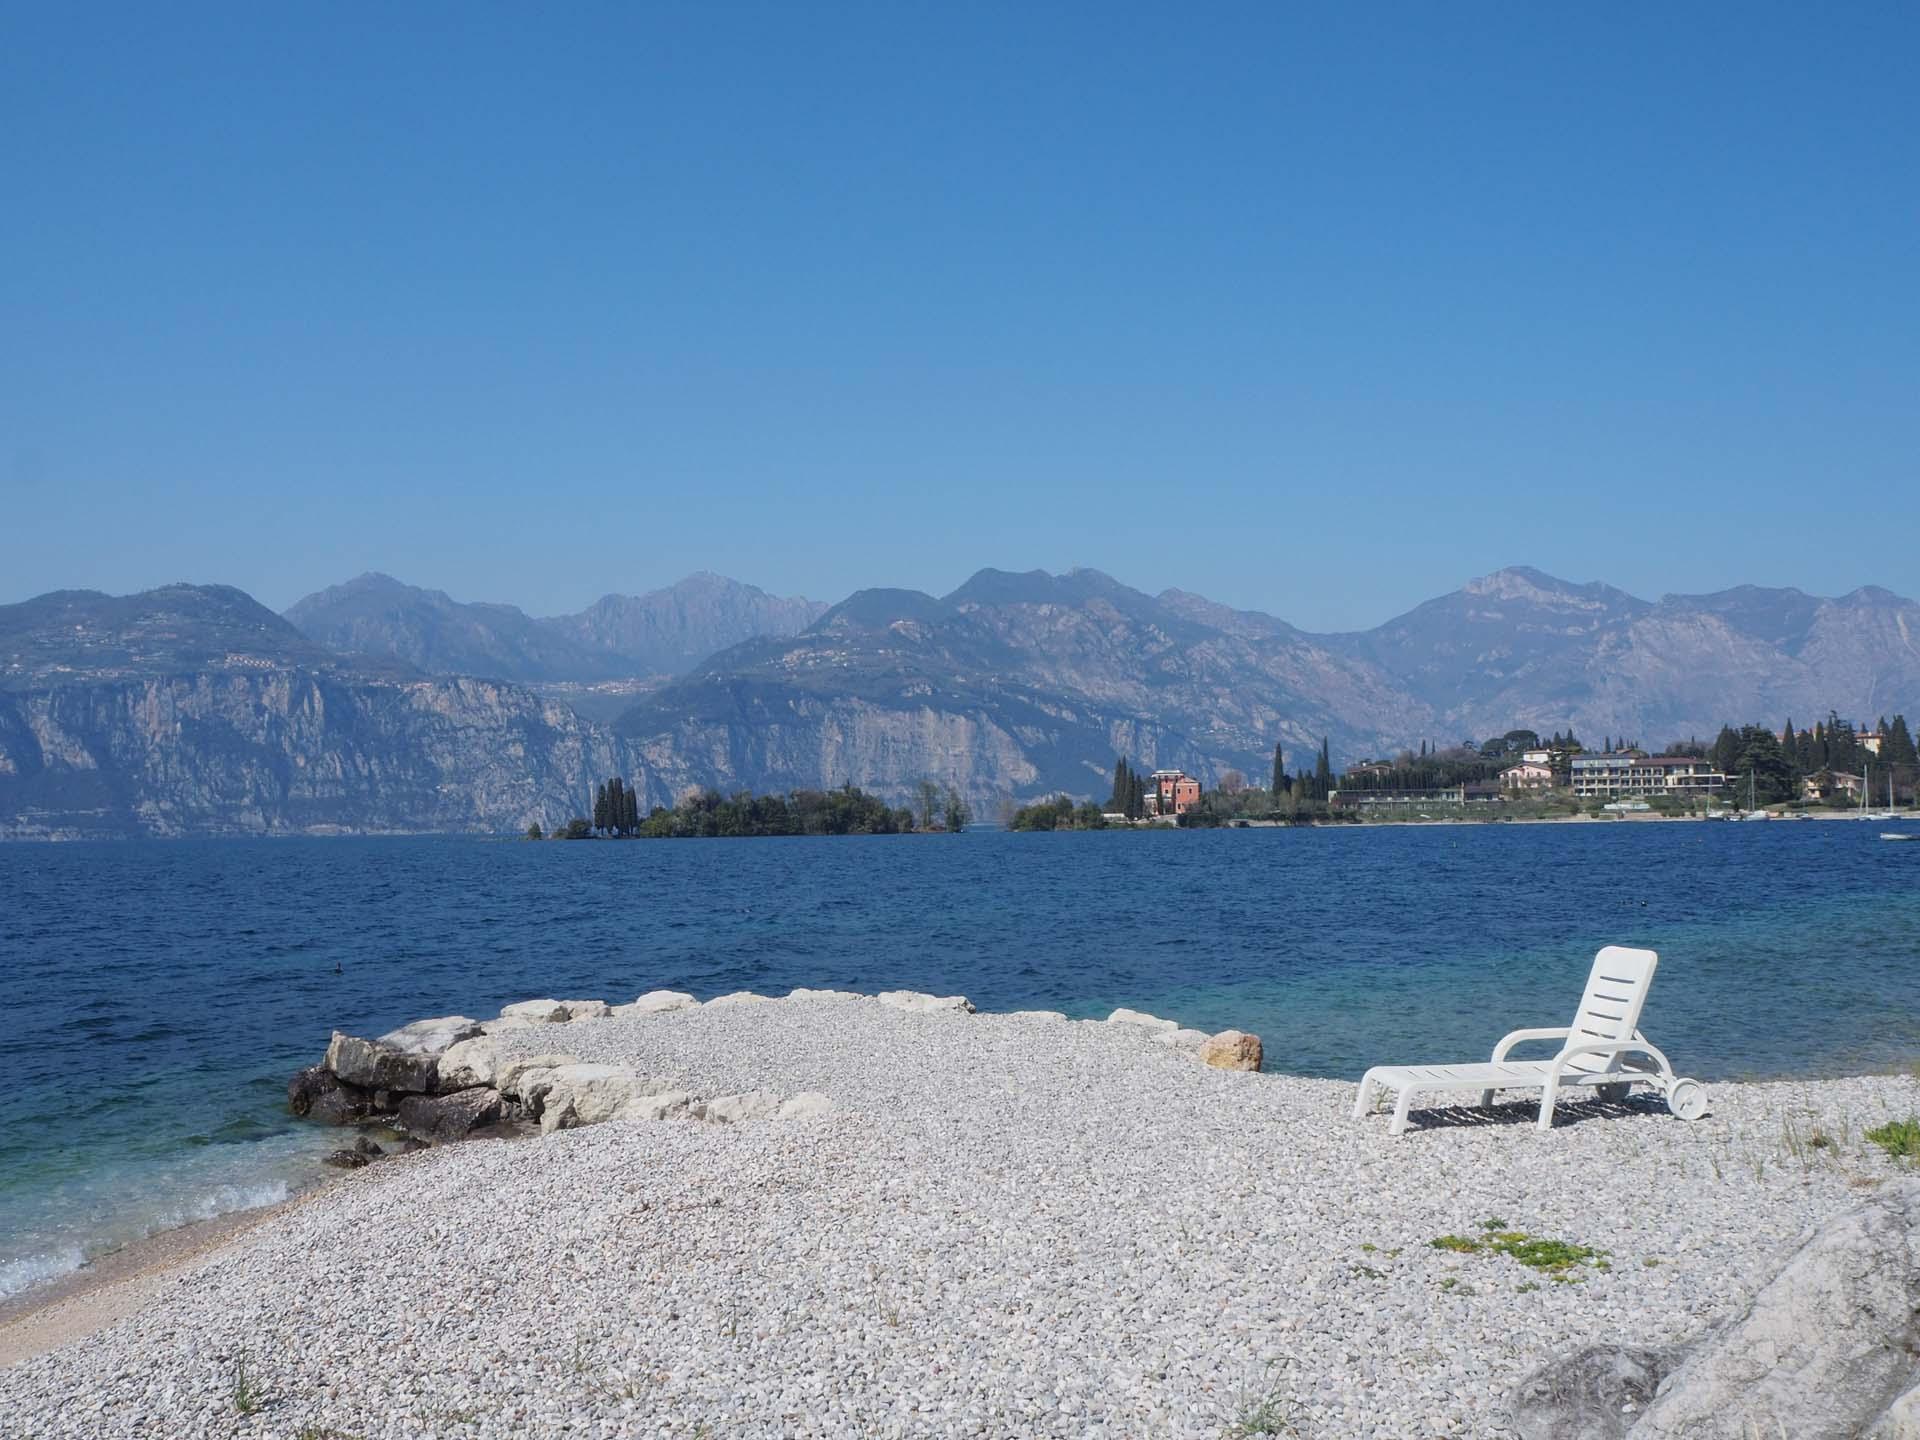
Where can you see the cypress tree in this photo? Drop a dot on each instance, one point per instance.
(601, 811)
(1119, 799)
(1279, 771)
(1323, 771)
(1899, 748)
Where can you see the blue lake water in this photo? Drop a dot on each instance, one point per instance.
(154, 998)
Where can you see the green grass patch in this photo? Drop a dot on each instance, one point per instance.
(1899, 1138)
(1555, 1257)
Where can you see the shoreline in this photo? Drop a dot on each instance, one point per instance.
(1192, 1241)
(116, 1284)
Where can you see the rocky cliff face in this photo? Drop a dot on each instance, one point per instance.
(290, 752)
(194, 710)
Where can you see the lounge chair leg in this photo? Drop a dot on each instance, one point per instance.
(1486, 1099)
(1399, 1126)
(1545, 1121)
(1365, 1102)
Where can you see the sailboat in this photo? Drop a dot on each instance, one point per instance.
(1888, 813)
(1751, 813)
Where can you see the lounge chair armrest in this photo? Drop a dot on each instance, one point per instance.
(1507, 1042)
(1638, 1045)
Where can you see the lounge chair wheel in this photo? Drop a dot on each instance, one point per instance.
(1614, 1094)
(1687, 1099)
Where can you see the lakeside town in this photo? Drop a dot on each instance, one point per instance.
(1833, 768)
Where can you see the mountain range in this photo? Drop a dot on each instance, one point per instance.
(375, 705)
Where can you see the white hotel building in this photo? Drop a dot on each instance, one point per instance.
(1622, 773)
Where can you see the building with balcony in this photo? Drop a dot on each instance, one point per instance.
(1626, 773)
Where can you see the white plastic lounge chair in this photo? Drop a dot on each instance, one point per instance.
(1602, 1048)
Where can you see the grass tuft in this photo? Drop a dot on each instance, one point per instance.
(1458, 1244)
(246, 1399)
(1268, 1416)
(1899, 1138)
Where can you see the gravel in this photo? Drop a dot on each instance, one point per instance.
(1007, 1225)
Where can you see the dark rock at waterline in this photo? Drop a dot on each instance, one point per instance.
(368, 1148)
(374, 1066)
(320, 1095)
(348, 1160)
(450, 1117)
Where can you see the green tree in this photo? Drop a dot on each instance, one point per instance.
(1122, 786)
(1898, 748)
(926, 799)
(1323, 770)
(958, 814)
(1279, 771)
(602, 809)
(534, 832)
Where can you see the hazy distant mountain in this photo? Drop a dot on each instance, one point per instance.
(619, 636)
(667, 632)
(1519, 648)
(192, 709)
(378, 615)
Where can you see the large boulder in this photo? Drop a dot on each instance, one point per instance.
(732, 1109)
(1143, 1020)
(915, 1002)
(1232, 1050)
(430, 1037)
(471, 1062)
(573, 1095)
(373, 1066)
(801, 992)
(510, 1075)
(658, 1002)
(738, 997)
(319, 1095)
(540, 1012)
(1594, 1394)
(1191, 1040)
(587, 1009)
(440, 1118)
(1825, 1352)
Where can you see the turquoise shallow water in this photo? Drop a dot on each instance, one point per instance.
(154, 998)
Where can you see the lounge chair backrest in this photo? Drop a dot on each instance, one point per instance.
(1610, 1009)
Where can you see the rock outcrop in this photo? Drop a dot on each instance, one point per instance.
(440, 1118)
(373, 1066)
(1824, 1352)
(1827, 1350)
(317, 1094)
(430, 1037)
(573, 1095)
(537, 1012)
(586, 1009)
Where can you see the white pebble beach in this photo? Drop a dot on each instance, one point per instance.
(1006, 1225)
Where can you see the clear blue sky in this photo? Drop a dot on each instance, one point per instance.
(1318, 310)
